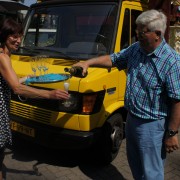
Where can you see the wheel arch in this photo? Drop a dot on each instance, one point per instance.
(117, 107)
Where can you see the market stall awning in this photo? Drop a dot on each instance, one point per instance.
(9, 6)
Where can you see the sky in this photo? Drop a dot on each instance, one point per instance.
(29, 2)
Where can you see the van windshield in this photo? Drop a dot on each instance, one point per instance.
(79, 31)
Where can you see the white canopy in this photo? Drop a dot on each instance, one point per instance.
(8, 6)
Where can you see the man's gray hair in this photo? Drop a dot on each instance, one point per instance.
(154, 20)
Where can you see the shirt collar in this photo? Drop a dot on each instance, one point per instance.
(157, 52)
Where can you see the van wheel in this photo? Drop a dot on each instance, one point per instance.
(112, 136)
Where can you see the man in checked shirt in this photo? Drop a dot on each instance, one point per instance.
(152, 95)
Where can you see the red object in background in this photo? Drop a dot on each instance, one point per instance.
(177, 11)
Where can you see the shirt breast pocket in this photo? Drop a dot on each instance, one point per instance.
(154, 86)
(151, 81)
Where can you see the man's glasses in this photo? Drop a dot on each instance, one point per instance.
(143, 33)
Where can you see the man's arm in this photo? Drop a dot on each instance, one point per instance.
(104, 61)
(171, 142)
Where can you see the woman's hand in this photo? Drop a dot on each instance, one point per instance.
(59, 94)
(23, 79)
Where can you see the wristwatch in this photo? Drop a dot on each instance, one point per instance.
(171, 132)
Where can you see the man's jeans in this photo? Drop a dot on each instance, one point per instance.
(145, 148)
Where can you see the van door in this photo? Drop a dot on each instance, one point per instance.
(126, 33)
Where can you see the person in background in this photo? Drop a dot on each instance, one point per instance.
(10, 37)
(175, 14)
(152, 95)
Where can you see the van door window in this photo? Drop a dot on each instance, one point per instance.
(125, 36)
(129, 25)
(134, 15)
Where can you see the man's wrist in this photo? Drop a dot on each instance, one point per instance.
(171, 132)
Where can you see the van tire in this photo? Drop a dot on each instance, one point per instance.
(112, 136)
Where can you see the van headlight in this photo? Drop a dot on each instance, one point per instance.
(82, 103)
(70, 104)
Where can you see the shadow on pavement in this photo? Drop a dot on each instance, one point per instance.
(24, 151)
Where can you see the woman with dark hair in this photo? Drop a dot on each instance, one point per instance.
(10, 37)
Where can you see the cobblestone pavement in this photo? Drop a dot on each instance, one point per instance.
(30, 162)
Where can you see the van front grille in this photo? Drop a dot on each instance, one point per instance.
(30, 112)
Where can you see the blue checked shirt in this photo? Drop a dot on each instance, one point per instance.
(152, 79)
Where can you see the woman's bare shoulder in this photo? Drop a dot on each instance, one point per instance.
(4, 59)
(3, 56)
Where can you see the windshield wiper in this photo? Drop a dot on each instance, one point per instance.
(28, 51)
(56, 51)
(26, 48)
(39, 50)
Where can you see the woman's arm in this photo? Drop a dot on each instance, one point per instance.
(11, 78)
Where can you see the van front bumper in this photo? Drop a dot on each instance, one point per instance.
(55, 137)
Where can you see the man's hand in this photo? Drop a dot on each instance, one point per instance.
(171, 143)
(84, 65)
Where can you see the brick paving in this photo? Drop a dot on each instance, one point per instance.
(26, 161)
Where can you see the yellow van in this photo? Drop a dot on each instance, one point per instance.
(67, 31)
